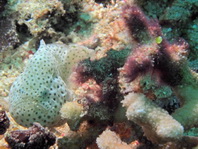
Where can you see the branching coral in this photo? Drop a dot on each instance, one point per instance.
(157, 124)
(166, 61)
(153, 55)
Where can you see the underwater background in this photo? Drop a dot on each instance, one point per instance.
(98, 74)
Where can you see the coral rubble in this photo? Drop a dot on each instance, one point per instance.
(35, 137)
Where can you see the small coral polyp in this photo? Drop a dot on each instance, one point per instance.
(39, 92)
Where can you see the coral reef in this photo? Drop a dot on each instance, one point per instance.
(33, 18)
(107, 76)
(155, 56)
(112, 32)
(168, 63)
(96, 85)
(35, 137)
(51, 21)
(176, 18)
(103, 68)
(4, 122)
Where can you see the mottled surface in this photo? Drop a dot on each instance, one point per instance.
(35, 137)
(40, 91)
(9, 38)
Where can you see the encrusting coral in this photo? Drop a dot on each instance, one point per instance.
(33, 19)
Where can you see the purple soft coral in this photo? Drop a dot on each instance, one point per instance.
(160, 57)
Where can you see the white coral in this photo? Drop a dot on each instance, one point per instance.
(151, 117)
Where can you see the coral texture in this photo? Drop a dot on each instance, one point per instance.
(150, 116)
(177, 18)
(9, 36)
(153, 55)
(109, 140)
(72, 112)
(35, 137)
(167, 62)
(135, 90)
(34, 17)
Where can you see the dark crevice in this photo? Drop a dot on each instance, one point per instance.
(23, 32)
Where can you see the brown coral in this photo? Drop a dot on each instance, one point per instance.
(35, 137)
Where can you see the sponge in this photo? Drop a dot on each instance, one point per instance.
(39, 92)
